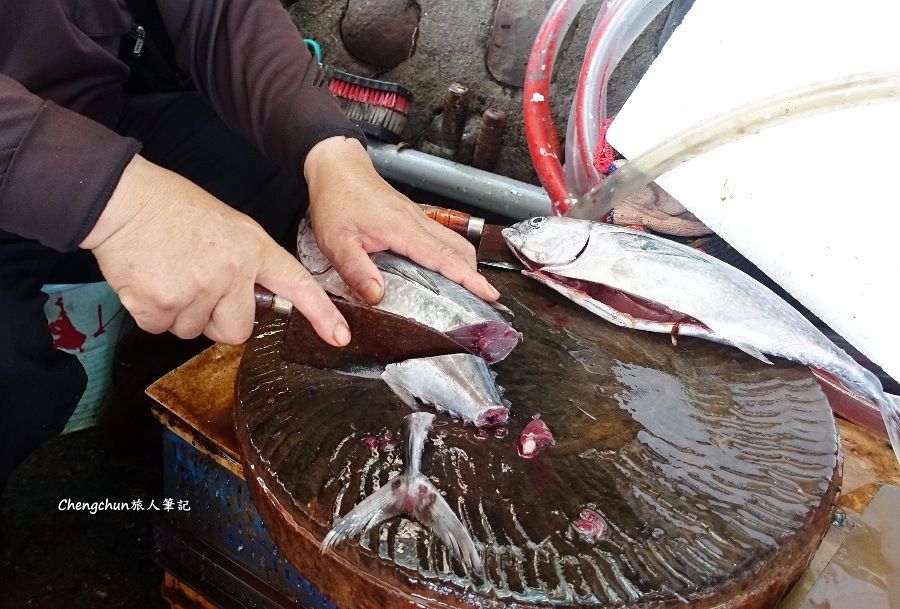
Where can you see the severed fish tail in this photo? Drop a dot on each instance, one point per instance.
(413, 494)
(890, 412)
(864, 384)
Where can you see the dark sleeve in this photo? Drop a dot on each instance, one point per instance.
(248, 59)
(57, 168)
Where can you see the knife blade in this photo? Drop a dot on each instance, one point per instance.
(377, 338)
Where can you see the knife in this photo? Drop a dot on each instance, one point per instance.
(491, 247)
(377, 338)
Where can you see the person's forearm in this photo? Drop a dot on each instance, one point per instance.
(57, 170)
(139, 189)
(250, 61)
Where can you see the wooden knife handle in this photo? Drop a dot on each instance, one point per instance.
(467, 225)
(266, 300)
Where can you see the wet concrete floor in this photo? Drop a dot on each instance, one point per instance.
(64, 558)
(54, 558)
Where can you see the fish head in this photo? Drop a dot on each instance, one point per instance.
(547, 240)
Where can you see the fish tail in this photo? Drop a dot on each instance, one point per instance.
(368, 513)
(864, 382)
(432, 510)
(890, 412)
(413, 494)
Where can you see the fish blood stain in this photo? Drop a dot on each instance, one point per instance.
(590, 525)
(631, 305)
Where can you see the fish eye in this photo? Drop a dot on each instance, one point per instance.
(536, 222)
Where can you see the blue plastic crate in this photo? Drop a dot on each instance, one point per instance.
(209, 530)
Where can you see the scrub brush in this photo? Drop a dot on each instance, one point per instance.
(379, 108)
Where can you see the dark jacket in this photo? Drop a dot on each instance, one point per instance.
(61, 96)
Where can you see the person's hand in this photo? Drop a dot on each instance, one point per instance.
(183, 261)
(355, 212)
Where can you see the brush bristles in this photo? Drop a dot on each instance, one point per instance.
(359, 93)
(362, 112)
(375, 108)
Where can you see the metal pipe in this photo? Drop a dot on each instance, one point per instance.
(453, 120)
(490, 138)
(482, 189)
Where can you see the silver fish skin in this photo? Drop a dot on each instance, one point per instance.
(460, 384)
(428, 297)
(705, 296)
(411, 493)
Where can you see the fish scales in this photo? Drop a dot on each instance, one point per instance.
(435, 301)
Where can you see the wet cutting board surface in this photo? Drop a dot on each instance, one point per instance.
(712, 474)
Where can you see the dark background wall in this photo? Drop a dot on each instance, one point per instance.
(482, 44)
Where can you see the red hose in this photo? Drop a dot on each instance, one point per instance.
(540, 130)
(586, 156)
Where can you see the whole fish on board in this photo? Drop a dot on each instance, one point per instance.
(639, 280)
(460, 384)
(411, 493)
(428, 297)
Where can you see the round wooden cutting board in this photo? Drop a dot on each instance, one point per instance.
(682, 475)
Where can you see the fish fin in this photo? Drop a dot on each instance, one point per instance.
(308, 252)
(890, 412)
(497, 305)
(404, 394)
(371, 511)
(415, 495)
(750, 350)
(433, 511)
(402, 268)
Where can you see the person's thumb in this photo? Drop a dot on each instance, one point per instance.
(358, 271)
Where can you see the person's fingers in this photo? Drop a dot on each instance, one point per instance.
(358, 271)
(155, 318)
(193, 319)
(231, 320)
(450, 254)
(285, 276)
(412, 234)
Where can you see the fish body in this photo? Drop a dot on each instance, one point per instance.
(428, 297)
(413, 494)
(460, 384)
(639, 280)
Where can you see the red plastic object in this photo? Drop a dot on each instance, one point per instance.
(540, 129)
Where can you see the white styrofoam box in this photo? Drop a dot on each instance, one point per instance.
(812, 202)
